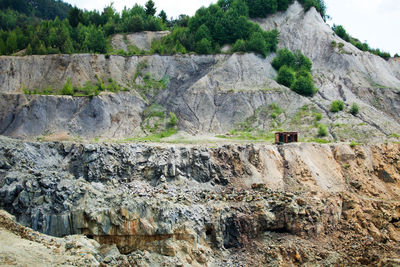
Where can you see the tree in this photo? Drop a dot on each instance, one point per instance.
(95, 40)
(163, 16)
(136, 24)
(354, 109)
(239, 46)
(286, 76)
(75, 16)
(341, 32)
(11, 43)
(204, 46)
(67, 89)
(304, 85)
(257, 44)
(284, 57)
(271, 38)
(29, 50)
(3, 48)
(284, 4)
(150, 9)
(202, 32)
(302, 62)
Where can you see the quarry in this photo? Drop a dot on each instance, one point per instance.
(165, 171)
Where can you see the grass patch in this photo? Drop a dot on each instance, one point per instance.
(318, 140)
(249, 136)
(157, 137)
(353, 144)
(88, 89)
(395, 135)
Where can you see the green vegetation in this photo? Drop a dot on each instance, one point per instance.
(294, 71)
(354, 109)
(342, 33)
(149, 86)
(337, 106)
(262, 8)
(276, 110)
(157, 124)
(319, 140)
(76, 31)
(255, 127)
(18, 13)
(67, 89)
(51, 27)
(256, 135)
(286, 76)
(353, 144)
(322, 131)
(88, 89)
(317, 116)
(226, 22)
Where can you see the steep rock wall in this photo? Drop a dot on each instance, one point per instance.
(172, 199)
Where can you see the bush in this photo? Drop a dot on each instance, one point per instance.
(257, 44)
(317, 116)
(322, 131)
(283, 57)
(337, 106)
(239, 46)
(173, 120)
(286, 76)
(353, 144)
(304, 86)
(67, 89)
(354, 109)
(204, 46)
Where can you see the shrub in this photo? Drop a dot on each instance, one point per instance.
(317, 116)
(239, 46)
(304, 86)
(67, 89)
(333, 44)
(322, 131)
(204, 46)
(283, 57)
(286, 76)
(257, 44)
(337, 106)
(353, 144)
(354, 109)
(173, 120)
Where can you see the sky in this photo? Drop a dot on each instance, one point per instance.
(375, 21)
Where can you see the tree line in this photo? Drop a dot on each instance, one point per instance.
(30, 25)
(342, 33)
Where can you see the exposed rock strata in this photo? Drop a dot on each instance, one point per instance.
(194, 202)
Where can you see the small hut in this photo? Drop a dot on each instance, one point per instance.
(286, 137)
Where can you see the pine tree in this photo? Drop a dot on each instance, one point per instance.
(163, 16)
(150, 9)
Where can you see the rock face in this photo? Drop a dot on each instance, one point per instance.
(191, 202)
(141, 40)
(216, 93)
(113, 115)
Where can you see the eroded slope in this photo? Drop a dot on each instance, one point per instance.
(200, 205)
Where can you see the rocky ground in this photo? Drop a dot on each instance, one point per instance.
(230, 205)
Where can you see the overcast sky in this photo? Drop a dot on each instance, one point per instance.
(374, 21)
